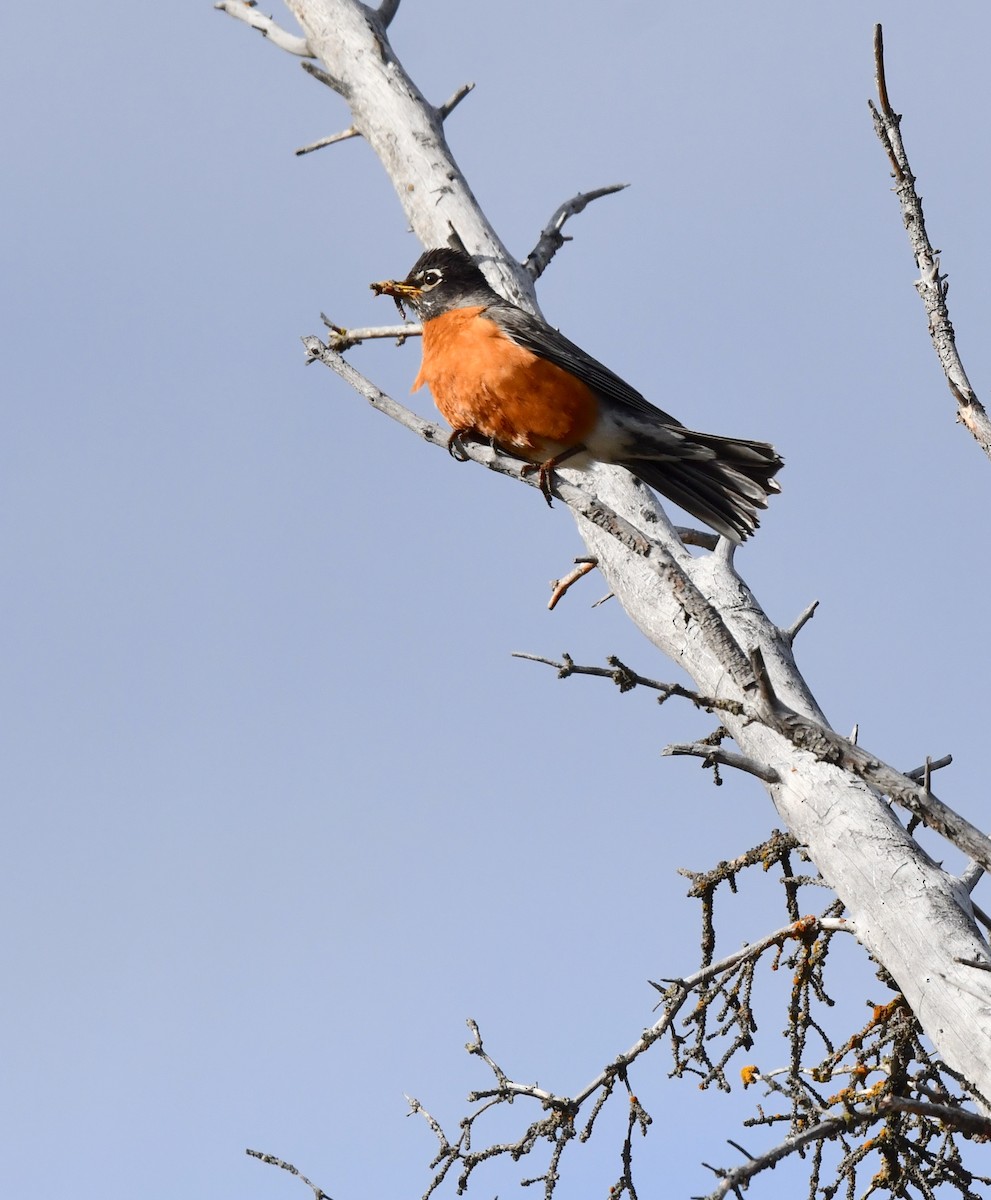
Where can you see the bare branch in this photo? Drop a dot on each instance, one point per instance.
(932, 286)
(678, 990)
(246, 12)
(626, 680)
(716, 754)
(730, 1181)
(800, 622)
(318, 1192)
(386, 11)
(342, 339)
(450, 105)
(551, 238)
(957, 1118)
(324, 77)
(917, 774)
(560, 586)
(697, 537)
(334, 138)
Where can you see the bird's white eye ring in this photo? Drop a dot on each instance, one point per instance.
(431, 278)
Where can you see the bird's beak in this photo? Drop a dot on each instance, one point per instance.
(399, 289)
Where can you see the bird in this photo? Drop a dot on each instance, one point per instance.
(498, 373)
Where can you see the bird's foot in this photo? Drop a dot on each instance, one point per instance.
(456, 445)
(544, 472)
(546, 469)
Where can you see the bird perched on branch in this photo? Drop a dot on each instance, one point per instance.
(500, 374)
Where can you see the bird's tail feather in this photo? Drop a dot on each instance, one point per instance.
(722, 481)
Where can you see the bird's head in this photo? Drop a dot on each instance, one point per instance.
(439, 280)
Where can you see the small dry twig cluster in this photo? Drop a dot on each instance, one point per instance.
(897, 1112)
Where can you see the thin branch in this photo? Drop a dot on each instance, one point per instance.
(386, 11)
(450, 105)
(731, 1181)
(246, 12)
(932, 286)
(957, 1118)
(971, 876)
(678, 990)
(917, 774)
(334, 138)
(342, 339)
(318, 1192)
(560, 586)
(551, 238)
(626, 680)
(559, 1126)
(728, 758)
(325, 78)
(697, 537)
(799, 623)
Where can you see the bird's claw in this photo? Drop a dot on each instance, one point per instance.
(544, 472)
(456, 446)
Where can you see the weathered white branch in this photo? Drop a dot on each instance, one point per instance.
(800, 622)
(342, 339)
(249, 14)
(332, 140)
(445, 110)
(726, 758)
(931, 286)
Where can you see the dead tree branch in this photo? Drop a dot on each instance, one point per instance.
(332, 140)
(931, 286)
(318, 1192)
(551, 238)
(245, 11)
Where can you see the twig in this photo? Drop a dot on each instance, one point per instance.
(450, 105)
(678, 990)
(728, 758)
(551, 238)
(387, 10)
(342, 339)
(917, 774)
(558, 1126)
(318, 1192)
(799, 623)
(626, 680)
(291, 43)
(958, 1118)
(323, 77)
(561, 586)
(697, 537)
(334, 138)
(824, 1131)
(932, 286)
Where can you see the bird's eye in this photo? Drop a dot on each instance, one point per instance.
(431, 278)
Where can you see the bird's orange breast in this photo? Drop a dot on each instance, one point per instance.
(482, 380)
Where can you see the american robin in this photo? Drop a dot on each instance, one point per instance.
(500, 374)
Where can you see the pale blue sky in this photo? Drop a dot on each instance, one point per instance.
(281, 810)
